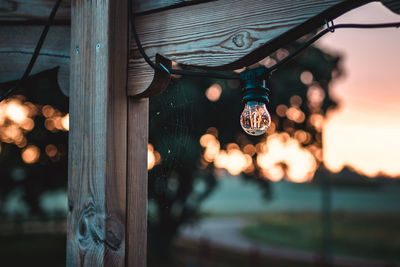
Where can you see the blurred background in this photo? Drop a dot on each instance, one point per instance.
(320, 188)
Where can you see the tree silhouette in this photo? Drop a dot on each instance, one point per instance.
(183, 113)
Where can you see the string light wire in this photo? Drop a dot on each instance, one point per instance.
(35, 53)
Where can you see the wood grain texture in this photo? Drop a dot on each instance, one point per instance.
(160, 80)
(138, 124)
(146, 6)
(226, 34)
(18, 44)
(38, 10)
(33, 10)
(98, 134)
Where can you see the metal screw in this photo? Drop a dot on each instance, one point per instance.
(76, 50)
(98, 47)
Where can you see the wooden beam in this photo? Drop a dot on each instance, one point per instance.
(96, 230)
(37, 11)
(33, 10)
(148, 6)
(226, 34)
(18, 44)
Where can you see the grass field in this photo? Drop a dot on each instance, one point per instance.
(374, 236)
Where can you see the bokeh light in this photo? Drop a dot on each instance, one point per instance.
(30, 154)
(278, 156)
(306, 77)
(282, 150)
(213, 93)
(16, 112)
(153, 157)
(17, 119)
(65, 122)
(51, 150)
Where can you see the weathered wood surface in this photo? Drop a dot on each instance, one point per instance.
(98, 134)
(39, 10)
(17, 46)
(138, 125)
(33, 10)
(226, 34)
(146, 6)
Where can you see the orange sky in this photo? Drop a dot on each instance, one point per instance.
(365, 131)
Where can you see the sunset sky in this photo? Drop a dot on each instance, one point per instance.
(365, 131)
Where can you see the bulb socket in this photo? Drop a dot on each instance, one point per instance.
(258, 94)
(255, 88)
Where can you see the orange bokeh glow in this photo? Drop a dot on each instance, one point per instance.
(282, 150)
(30, 154)
(65, 122)
(153, 157)
(51, 150)
(213, 93)
(16, 112)
(17, 119)
(278, 156)
(306, 77)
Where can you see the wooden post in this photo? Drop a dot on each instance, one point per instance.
(136, 225)
(96, 231)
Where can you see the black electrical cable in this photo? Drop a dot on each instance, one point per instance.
(35, 53)
(330, 28)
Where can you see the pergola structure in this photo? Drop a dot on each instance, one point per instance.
(102, 72)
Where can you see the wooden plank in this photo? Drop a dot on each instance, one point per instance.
(147, 6)
(138, 120)
(18, 44)
(226, 34)
(98, 134)
(33, 10)
(39, 10)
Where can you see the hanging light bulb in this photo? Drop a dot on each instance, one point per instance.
(255, 119)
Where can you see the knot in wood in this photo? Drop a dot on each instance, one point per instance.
(238, 40)
(114, 233)
(241, 40)
(70, 205)
(83, 232)
(94, 228)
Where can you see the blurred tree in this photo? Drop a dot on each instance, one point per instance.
(182, 114)
(33, 155)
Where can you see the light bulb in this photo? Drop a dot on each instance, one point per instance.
(255, 119)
